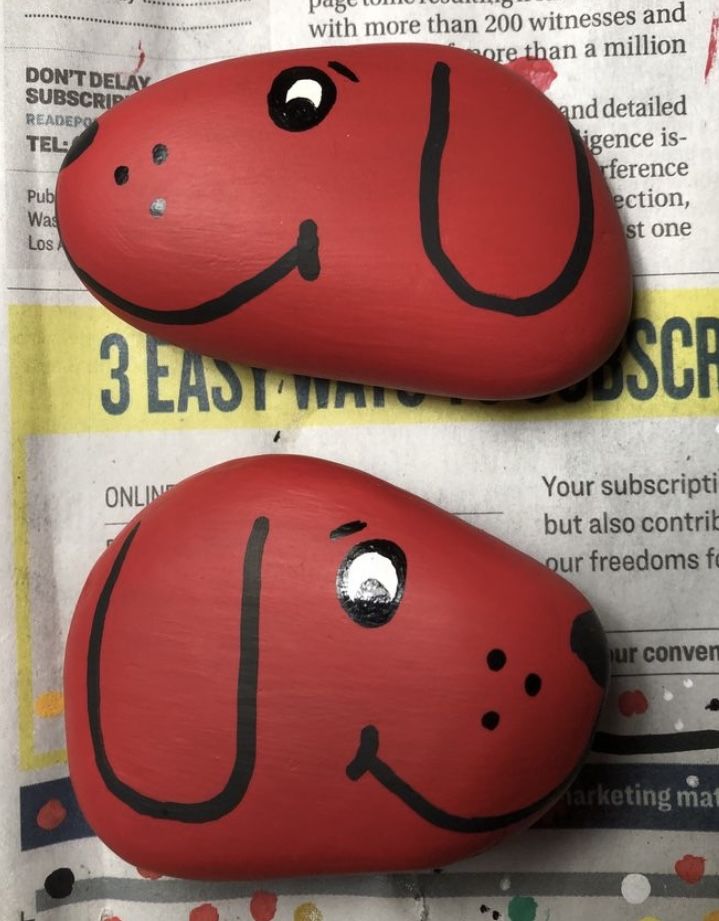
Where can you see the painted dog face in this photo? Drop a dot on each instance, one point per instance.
(411, 216)
(284, 666)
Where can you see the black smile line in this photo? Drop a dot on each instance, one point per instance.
(304, 256)
(429, 188)
(246, 728)
(367, 761)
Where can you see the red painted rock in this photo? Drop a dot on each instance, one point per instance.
(412, 216)
(284, 666)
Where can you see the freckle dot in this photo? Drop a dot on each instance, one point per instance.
(532, 684)
(59, 883)
(636, 888)
(157, 207)
(490, 720)
(159, 153)
(206, 912)
(496, 659)
(122, 174)
(307, 911)
(263, 906)
(51, 815)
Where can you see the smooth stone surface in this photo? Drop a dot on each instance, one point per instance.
(411, 216)
(284, 666)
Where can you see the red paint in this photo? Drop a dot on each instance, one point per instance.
(539, 71)
(690, 868)
(206, 912)
(263, 906)
(256, 545)
(51, 815)
(712, 50)
(140, 58)
(379, 289)
(632, 702)
(148, 874)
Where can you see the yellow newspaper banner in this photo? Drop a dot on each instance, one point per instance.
(82, 370)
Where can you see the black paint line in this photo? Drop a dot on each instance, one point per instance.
(344, 530)
(446, 885)
(304, 257)
(367, 761)
(344, 70)
(246, 729)
(608, 743)
(430, 218)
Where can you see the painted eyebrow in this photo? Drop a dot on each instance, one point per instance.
(351, 527)
(344, 70)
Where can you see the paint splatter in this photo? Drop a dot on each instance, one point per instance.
(632, 702)
(522, 908)
(713, 705)
(148, 874)
(51, 815)
(690, 869)
(649, 918)
(263, 906)
(307, 911)
(277, 437)
(59, 883)
(51, 703)
(538, 71)
(679, 725)
(205, 912)
(693, 781)
(712, 50)
(712, 916)
(495, 916)
(505, 883)
(140, 57)
(688, 683)
(668, 695)
(636, 888)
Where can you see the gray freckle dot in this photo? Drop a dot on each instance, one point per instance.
(157, 207)
(159, 153)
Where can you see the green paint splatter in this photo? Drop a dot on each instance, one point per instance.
(522, 908)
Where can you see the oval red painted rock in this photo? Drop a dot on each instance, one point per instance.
(285, 666)
(412, 216)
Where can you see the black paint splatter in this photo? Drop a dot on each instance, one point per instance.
(277, 437)
(713, 705)
(59, 883)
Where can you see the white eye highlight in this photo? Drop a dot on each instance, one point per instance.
(370, 582)
(305, 89)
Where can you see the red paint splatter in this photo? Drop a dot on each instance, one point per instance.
(690, 868)
(51, 815)
(205, 912)
(263, 906)
(712, 50)
(538, 71)
(140, 58)
(631, 702)
(148, 874)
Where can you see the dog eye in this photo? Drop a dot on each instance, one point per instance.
(370, 582)
(300, 98)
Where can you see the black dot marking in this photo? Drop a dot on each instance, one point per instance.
(532, 684)
(159, 153)
(713, 705)
(59, 883)
(490, 720)
(496, 659)
(122, 174)
(496, 915)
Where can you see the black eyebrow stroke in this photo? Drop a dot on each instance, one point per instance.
(351, 527)
(344, 70)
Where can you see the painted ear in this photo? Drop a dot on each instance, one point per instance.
(589, 644)
(510, 227)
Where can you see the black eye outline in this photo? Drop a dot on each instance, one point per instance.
(371, 612)
(300, 113)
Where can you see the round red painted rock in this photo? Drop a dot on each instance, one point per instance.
(412, 216)
(285, 666)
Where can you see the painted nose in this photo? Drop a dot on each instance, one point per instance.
(80, 144)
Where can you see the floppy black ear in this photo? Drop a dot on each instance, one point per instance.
(589, 643)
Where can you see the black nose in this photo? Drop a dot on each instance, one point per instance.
(80, 144)
(589, 643)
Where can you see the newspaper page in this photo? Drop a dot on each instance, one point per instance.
(613, 482)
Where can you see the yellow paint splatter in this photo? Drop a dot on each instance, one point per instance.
(649, 918)
(712, 916)
(52, 703)
(308, 911)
